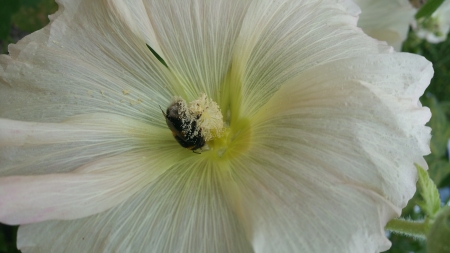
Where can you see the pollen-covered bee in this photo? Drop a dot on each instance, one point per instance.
(184, 126)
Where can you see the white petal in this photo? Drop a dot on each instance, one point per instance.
(287, 207)
(30, 148)
(369, 105)
(183, 211)
(134, 14)
(19, 133)
(332, 157)
(197, 37)
(86, 60)
(386, 20)
(438, 24)
(280, 39)
(90, 189)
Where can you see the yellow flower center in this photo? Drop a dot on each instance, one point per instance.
(234, 141)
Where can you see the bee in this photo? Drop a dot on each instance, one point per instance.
(184, 128)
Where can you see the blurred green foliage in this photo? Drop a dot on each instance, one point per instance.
(9, 7)
(8, 239)
(429, 7)
(19, 17)
(33, 14)
(402, 244)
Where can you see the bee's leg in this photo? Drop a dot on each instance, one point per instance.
(197, 152)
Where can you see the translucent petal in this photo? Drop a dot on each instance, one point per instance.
(197, 38)
(183, 211)
(31, 148)
(134, 14)
(386, 20)
(332, 156)
(287, 207)
(90, 189)
(87, 60)
(366, 110)
(280, 39)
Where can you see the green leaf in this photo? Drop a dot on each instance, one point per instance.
(428, 8)
(160, 59)
(431, 202)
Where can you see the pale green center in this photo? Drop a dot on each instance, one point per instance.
(222, 140)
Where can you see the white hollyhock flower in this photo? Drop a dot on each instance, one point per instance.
(322, 127)
(386, 20)
(436, 27)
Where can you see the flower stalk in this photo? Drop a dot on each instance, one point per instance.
(412, 228)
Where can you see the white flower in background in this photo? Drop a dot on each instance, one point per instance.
(386, 20)
(436, 27)
(322, 127)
